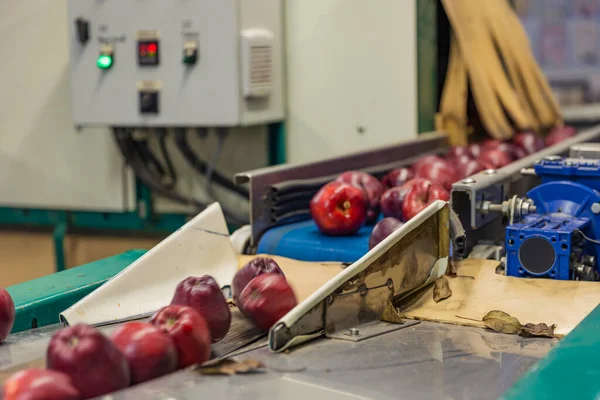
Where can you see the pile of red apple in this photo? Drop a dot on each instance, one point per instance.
(83, 363)
(356, 198)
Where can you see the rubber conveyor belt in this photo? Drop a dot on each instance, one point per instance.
(425, 361)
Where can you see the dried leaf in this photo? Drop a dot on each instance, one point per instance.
(441, 289)
(230, 367)
(500, 321)
(537, 330)
(391, 314)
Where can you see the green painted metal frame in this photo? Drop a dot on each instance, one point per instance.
(427, 47)
(39, 302)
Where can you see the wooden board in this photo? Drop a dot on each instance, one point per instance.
(564, 303)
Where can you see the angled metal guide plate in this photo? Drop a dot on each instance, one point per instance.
(413, 256)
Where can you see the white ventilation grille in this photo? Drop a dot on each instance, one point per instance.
(257, 62)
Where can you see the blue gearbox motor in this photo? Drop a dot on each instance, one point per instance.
(555, 232)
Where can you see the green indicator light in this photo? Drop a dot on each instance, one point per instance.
(104, 61)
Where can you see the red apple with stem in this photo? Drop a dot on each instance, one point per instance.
(150, 352)
(93, 363)
(266, 299)
(339, 209)
(7, 314)
(205, 296)
(40, 384)
(371, 188)
(189, 332)
(420, 196)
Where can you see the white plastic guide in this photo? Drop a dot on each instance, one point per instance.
(200, 247)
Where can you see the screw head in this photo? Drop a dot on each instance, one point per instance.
(489, 171)
(468, 180)
(596, 208)
(354, 332)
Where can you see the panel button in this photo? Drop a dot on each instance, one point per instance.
(190, 52)
(148, 53)
(82, 28)
(149, 102)
(106, 58)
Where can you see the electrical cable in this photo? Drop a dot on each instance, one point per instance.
(162, 142)
(125, 143)
(201, 166)
(588, 238)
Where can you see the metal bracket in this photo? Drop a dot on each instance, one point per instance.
(369, 330)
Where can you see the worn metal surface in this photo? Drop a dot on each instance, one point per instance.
(261, 180)
(425, 361)
(401, 263)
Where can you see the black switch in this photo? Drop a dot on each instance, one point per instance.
(149, 102)
(82, 27)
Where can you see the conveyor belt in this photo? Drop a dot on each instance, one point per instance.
(427, 361)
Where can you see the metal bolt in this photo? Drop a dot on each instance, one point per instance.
(489, 171)
(468, 180)
(354, 332)
(552, 158)
(390, 284)
(596, 208)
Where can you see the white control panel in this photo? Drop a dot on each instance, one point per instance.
(176, 63)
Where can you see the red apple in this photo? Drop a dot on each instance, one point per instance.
(427, 159)
(475, 149)
(39, 384)
(7, 314)
(204, 295)
(391, 200)
(189, 332)
(339, 209)
(266, 299)
(529, 141)
(398, 177)
(94, 364)
(519, 153)
(490, 144)
(559, 134)
(466, 166)
(383, 229)
(457, 151)
(150, 352)
(371, 187)
(255, 267)
(494, 159)
(441, 172)
(420, 196)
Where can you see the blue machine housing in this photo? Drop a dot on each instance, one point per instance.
(543, 246)
(552, 243)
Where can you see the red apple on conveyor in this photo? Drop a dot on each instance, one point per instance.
(466, 166)
(494, 159)
(371, 187)
(339, 209)
(255, 267)
(189, 332)
(529, 141)
(7, 314)
(428, 159)
(420, 196)
(383, 229)
(205, 296)
(398, 177)
(94, 364)
(266, 299)
(150, 352)
(392, 199)
(40, 384)
(458, 151)
(475, 150)
(559, 134)
(440, 171)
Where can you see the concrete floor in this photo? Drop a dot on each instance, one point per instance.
(29, 255)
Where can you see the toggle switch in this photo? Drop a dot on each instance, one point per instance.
(190, 52)
(149, 102)
(82, 27)
(106, 58)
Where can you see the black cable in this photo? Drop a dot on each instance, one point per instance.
(201, 166)
(162, 142)
(125, 144)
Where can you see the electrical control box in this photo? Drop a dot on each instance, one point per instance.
(176, 63)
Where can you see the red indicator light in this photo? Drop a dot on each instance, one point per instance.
(152, 47)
